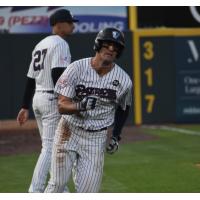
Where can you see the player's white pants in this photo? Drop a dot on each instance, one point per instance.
(83, 147)
(47, 116)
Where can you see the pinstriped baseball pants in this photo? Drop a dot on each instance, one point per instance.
(47, 117)
(84, 148)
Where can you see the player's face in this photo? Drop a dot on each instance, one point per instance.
(67, 28)
(109, 51)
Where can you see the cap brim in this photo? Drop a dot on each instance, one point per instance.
(75, 20)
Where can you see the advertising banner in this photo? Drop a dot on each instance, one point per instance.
(35, 19)
(187, 50)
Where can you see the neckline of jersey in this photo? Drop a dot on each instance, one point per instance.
(99, 76)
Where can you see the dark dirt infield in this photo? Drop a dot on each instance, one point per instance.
(17, 140)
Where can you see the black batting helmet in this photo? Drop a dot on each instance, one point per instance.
(111, 35)
(61, 15)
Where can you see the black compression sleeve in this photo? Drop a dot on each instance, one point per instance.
(28, 94)
(56, 73)
(119, 121)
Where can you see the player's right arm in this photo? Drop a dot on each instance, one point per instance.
(66, 105)
(23, 114)
(65, 87)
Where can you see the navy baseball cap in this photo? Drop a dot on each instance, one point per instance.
(61, 15)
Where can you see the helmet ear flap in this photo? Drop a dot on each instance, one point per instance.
(97, 45)
(119, 53)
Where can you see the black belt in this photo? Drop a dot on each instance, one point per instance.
(46, 91)
(89, 130)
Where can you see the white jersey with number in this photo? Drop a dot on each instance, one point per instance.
(80, 80)
(49, 53)
(53, 51)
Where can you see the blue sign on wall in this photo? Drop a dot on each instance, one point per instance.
(187, 51)
(35, 19)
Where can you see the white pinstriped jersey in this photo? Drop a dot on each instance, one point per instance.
(80, 80)
(53, 51)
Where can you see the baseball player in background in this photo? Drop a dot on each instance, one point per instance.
(49, 59)
(93, 93)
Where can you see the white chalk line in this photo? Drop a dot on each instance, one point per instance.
(173, 129)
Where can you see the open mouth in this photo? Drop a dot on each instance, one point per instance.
(108, 54)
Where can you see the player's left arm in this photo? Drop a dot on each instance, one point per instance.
(56, 73)
(121, 115)
(61, 58)
(119, 121)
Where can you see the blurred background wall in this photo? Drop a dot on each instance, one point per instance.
(161, 55)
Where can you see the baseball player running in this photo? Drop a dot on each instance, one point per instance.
(49, 59)
(93, 93)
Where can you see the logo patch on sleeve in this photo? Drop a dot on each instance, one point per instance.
(115, 82)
